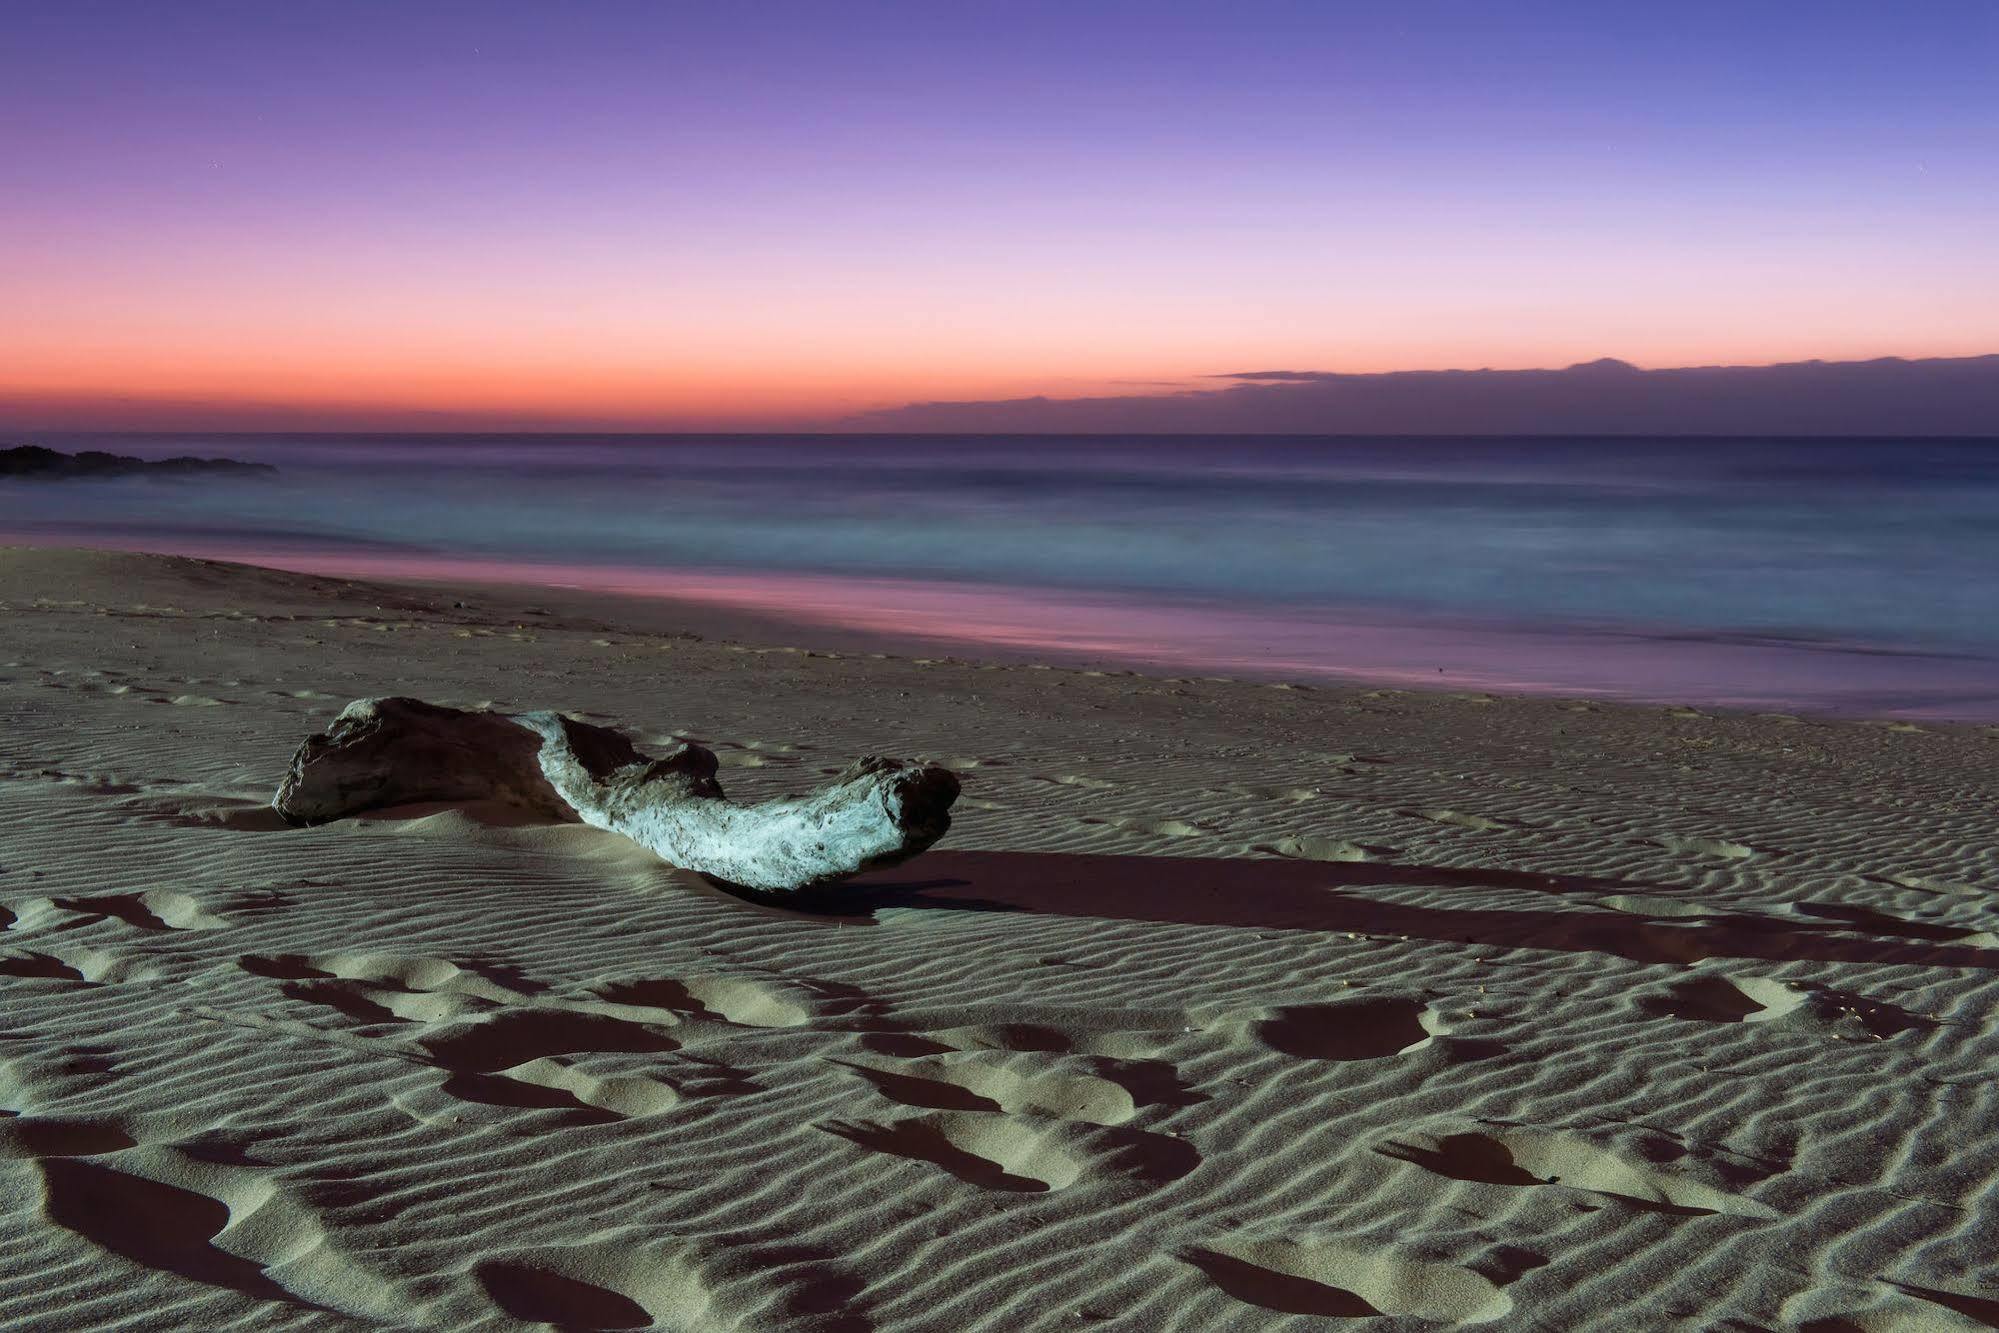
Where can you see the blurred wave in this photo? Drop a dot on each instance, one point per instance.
(1888, 545)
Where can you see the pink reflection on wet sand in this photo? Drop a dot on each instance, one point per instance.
(1217, 638)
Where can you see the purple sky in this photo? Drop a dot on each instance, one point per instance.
(696, 215)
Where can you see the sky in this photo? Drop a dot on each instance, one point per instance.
(661, 215)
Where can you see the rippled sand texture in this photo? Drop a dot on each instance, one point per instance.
(1224, 1006)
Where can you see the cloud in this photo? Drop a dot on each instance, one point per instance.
(1888, 396)
(1275, 375)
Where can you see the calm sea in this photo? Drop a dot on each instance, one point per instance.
(1857, 576)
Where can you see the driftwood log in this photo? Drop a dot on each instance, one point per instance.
(382, 752)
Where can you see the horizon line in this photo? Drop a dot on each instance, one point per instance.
(45, 412)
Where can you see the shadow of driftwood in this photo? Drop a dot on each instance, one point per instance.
(1284, 893)
(1330, 896)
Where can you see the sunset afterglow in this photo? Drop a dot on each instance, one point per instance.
(657, 216)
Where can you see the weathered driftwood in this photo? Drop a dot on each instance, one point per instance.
(381, 752)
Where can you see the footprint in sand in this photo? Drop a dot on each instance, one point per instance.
(282, 966)
(510, 1037)
(497, 1045)
(92, 967)
(1003, 1037)
(739, 1000)
(211, 1223)
(1749, 999)
(641, 1282)
(1361, 1029)
(27, 1137)
(369, 1003)
(157, 1225)
(535, 1290)
(1848, 916)
(1336, 1279)
(974, 1084)
(1122, 1058)
(30, 964)
(1011, 1110)
(509, 1059)
(495, 1098)
(1139, 1041)
(990, 1152)
(1518, 1157)
(381, 988)
(627, 1097)
(1024, 1154)
(424, 974)
(156, 909)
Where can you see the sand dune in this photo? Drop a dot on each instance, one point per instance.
(1223, 1006)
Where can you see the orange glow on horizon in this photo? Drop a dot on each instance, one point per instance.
(718, 396)
(631, 335)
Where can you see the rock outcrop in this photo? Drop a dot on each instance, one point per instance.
(34, 463)
(382, 752)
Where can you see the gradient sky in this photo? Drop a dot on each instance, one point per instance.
(697, 215)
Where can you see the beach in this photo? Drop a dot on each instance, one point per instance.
(1244, 1003)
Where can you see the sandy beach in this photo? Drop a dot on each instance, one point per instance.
(1223, 1005)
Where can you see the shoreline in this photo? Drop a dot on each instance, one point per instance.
(1744, 673)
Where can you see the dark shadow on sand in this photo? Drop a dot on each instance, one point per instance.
(1284, 893)
(1270, 894)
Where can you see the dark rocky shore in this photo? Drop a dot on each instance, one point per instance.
(35, 463)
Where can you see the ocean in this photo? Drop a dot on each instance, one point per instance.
(1841, 576)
